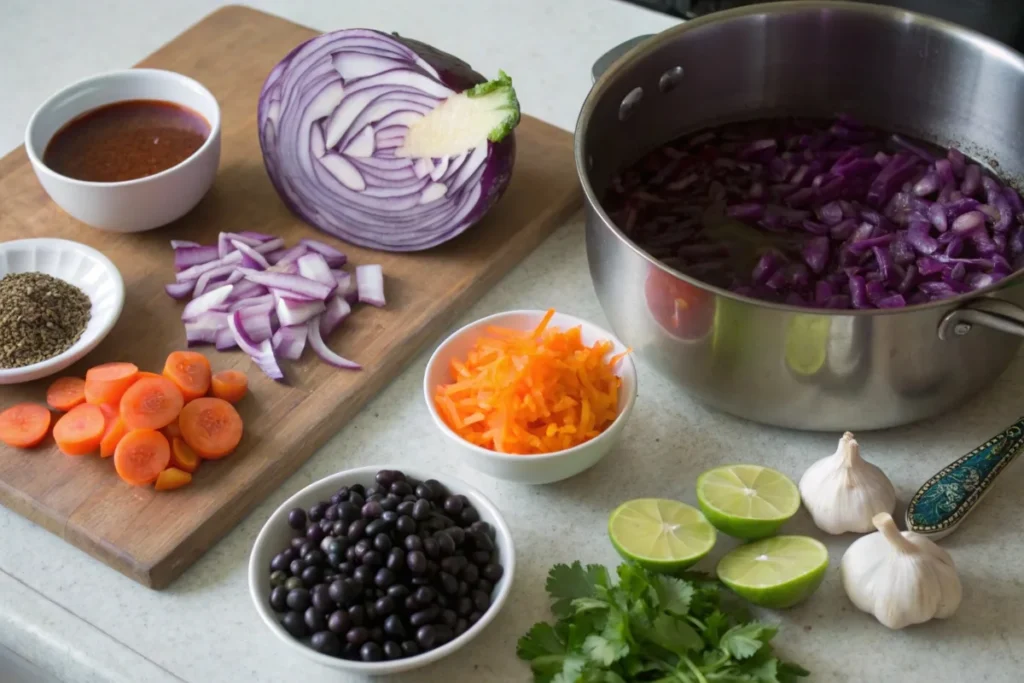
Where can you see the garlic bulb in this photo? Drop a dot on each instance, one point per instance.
(902, 578)
(844, 491)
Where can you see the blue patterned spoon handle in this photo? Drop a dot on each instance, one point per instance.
(946, 499)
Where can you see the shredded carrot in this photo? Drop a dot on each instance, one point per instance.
(531, 392)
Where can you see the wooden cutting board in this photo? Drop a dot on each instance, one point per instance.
(153, 537)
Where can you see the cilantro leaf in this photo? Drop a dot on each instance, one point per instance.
(674, 595)
(588, 604)
(540, 640)
(675, 635)
(566, 583)
(714, 625)
(604, 651)
(572, 670)
(745, 640)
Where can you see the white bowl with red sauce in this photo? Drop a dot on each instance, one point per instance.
(127, 151)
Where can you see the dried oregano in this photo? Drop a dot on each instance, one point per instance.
(40, 317)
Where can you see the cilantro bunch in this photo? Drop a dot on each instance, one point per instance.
(648, 627)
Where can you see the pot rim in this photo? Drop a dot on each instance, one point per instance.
(644, 49)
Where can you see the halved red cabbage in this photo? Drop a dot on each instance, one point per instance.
(386, 142)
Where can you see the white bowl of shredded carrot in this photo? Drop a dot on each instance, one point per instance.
(531, 396)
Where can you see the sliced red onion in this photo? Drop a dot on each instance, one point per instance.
(337, 310)
(334, 258)
(250, 257)
(193, 255)
(267, 247)
(274, 256)
(262, 353)
(203, 330)
(326, 354)
(178, 244)
(370, 284)
(225, 339)
(256, 321)
(202, 304)
(210, 278)
(194, 272)
(314, 267)
(295, 312)
(246, 290)
(179, 290)
(265, 301)
(290, 341)
(225, 242)
(291, 255)
(346, 286)
(291, 284)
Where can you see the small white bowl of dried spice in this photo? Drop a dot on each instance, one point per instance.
(58, 300)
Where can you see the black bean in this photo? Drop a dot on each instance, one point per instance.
(463, 606)
(398, 592)
(481, 526)
(315, 534)
(314, 619)
(321, 598)
(370, 610)
(431, 548)
(371, 652)
(373, 490)
(421, 510)
(395, 560)
(277, 578)
(372, 510)
(423, 491)
(480, 600)
(335, 561)
(412, 541)
(443, 602)
(297, 519)
(425, 595)
(356, 530)
(377, 634)
(339, 528)
(316, 512)
(282, 560)
(336, 499)
(411, 604)
(410, 648)
(448, 617)
(377, 526)
(373, 559)
(457, 533)
(357, 499)
(341, 591)
(357, 613)
(392, 650)
(326, 643)
(295, 624)
(426, 636)
(331, 513)
(453, 505)
(394, 626)
(357, 635)
(469, 515)
(346, 568)
(348, 511)
(339, 621)
(384, 606)
(445, 544)
(405, 507)
(298, 599)
(400, 489)
(279, 599)
(427, 615)
(315, 558)
(492, 572)
(470, 574)
(454, 564)
(390, 502)
(420, 581)
(411, 498)
(388, 477)
(432, 568)
(463, 589)
(475, 617)
(485, 586)
(297, 542)
(391, 517)
(384, 577)
(311, 576)
(480, 557)
(416, 561)
(348, 650)
(362, 547)
(350, 555)
(335, 546)
(329, 574)
(326, 525)
(461, 626)
(481, 541)
(293, 582)
(437, 487)
(364, 574)
(449, 584)
(306, 548)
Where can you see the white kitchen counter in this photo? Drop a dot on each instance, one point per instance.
(80, 621)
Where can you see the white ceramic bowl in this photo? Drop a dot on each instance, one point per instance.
(131, 205)
(77, 264)
(276, 534)
(529, 469)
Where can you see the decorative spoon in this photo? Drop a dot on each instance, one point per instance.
(938, 507)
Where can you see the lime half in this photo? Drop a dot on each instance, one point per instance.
(660, 535)
(747, 501)
(775, 572)
(807, 343)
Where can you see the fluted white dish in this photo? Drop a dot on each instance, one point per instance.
(76, 264)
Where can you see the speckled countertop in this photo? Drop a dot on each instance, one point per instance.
(80, 621)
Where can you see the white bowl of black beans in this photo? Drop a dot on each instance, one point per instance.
(377, 570)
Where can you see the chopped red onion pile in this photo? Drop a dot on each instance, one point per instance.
(825, 215)
(249, 291)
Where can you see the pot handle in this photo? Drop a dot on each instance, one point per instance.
(610, 57)
(996, 314)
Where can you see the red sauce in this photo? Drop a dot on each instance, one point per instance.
(126, 140)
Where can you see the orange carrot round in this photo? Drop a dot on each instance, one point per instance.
(151, 403)
(141, 456)
(211, 426)
(107, 383)
(182, 455)
(230, 385)
(143, 374)
(172, 430)
(172, 478)
(190, 372)
(24, 425)
(80, 430)
(112, 436)
(65, 393)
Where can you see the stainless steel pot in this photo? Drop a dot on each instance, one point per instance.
(778, 364)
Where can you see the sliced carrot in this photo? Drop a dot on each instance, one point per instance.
(190, 372)
(230, 385)
(151, 403)
(141, 456)
(24, 425)
(80, 430)
(107, 383)
(172, 478)
(172, 430)
(110, 411)
(115, 432)
(143, 374)
(66, 393)
(211, 426)
(182, 455)
(534, 391)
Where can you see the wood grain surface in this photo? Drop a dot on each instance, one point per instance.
(153, 537)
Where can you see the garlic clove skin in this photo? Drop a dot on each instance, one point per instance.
(844, 491)
(901, 578)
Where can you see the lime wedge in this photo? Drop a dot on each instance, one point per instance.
(775, 572)
(660, 535)
(747, 501)
(807, 343)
